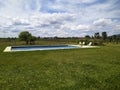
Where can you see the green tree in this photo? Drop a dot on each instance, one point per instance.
(97, 35)
(115, 38)
(32, 39)
(104, 35)
(25, 36)
(87, 37)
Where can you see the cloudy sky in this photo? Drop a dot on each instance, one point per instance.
(63, 18)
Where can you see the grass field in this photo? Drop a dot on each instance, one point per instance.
(73, 69)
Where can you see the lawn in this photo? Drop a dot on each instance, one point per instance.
(73, 69)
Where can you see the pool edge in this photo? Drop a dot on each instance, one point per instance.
(7, 49)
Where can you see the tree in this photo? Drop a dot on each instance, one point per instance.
(32, 39)
(97, 35)
(87, 37)
(115, 38)
(104, 35)
(26, 36)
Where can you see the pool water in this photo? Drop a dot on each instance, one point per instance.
(32, 48)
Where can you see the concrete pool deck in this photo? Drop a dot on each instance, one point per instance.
(85, 46)
(9, 48)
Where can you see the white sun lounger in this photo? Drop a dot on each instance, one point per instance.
(90, 43)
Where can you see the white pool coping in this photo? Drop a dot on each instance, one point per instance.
(85, 46)
(8, 48)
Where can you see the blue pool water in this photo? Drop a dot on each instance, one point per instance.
(32, 48)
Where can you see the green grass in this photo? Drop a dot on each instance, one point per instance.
(73, 69)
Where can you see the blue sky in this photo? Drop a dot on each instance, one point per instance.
(63, 18)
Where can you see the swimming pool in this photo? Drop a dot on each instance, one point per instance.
(34, 48)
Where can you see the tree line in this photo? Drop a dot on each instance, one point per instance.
(97, 38)
(104, 38)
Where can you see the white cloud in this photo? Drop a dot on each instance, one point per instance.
(18, 21)
(75, 27)
(58, 17)
(102, 22)
(88, 1)
(118, 27)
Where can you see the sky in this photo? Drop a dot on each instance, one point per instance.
(62, 18)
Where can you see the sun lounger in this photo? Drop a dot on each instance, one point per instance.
(90, 43)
